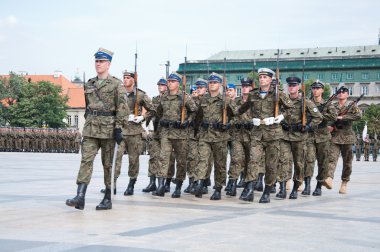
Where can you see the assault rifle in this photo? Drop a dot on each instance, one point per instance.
(276, 92)
(183, 108)
(224, 116)
(136, 105)
(327, 103)
(339, 123)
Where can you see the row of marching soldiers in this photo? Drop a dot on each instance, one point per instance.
(20, 139)
(268, 149)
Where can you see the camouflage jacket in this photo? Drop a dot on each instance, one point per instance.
(169, 115)
(106, 96)
(375, 143)
(263, 108)
(241, 125)
(144, 101)
(321, 133)
(343, 133)
(209, 118)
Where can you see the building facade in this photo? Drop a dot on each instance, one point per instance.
(357, 67)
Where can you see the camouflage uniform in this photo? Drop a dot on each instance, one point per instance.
(342, 139)
(375, 148)
(367, 147)
(358, 148)
(106, 109)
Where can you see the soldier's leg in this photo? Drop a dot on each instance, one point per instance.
(134, 145)
(347, 157)
(119, 159)
(283, 168)
(172, 163)
(219, 150)
(311, 157)
(154, 153)
(107, 148)
(322, 150)
(192, 157)
(237, 159)
(90, 148)
(299, 155)
(334, 153)
(180, 147)
(204, 152)
(166, 149)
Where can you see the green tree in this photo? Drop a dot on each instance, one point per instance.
(39, 104)
(372, 117)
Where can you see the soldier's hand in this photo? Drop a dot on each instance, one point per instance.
(118, 135)
(278, 118)
(138, 119)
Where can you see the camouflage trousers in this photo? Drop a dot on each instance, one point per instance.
(358, 152)
(319, 152)
(375, 150)
(154, 155)
(192, 157)
(90, 147)
(347, 156)
(269, 151)
(366, 153)
(297, 151)
(285, 163)
(167, 146)
(239, 158)
(219, 152)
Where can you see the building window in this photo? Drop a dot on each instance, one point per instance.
(365, 76)
(334, 89)
(239, 77)
(238, 91)
(378, 76)
(306, 77)
(320, 76)
(69, 120)
(350, 76)
(378, 89)
(76, 121)
(350, 90)
(334, 76)
(364, 90)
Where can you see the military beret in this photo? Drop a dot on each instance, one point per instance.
(231, 85)
(192, 89)
(201, 82)
(175, 76)
(317, 84)
(103, 54)
(265, 71)
(342, 89)
(128, 73)
(162, 81)
(293, 80)
(215, 77)
(246, 82)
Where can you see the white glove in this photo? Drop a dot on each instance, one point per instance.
(138, 119)
(256, 121)
(278, 119)
(268, 121)
(131, 118)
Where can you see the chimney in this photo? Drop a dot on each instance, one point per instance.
(57, 73)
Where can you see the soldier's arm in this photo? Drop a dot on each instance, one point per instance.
(353, 114)
(121, 105)
(146, 102)
(191, 108)
(316, 116)
(330, 113)
(239, 110)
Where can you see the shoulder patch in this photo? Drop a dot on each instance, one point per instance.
(315, 110)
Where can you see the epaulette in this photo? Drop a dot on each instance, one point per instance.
(141, 91)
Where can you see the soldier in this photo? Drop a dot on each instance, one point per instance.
(154, 145)
(266, 135)
(375, 148)
(319, 143)
(367, 146)
(132, 130)
(343, 137)
(77, 141)
(106, 108)
(358, 147)
(173, 132)
(240, 139)
(193, 91)
(213, 136)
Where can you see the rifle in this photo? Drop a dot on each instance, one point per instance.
(303, 121)
(183, 109)
(224, 115)
(276, 95)
(345, 111)
(322, 107)
(136, 108)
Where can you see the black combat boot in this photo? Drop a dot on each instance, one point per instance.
(131, 186)
(160, 191)
(229, 185)
(114, 189)
(188, 188)
(265, 198)
(217, 195)
(247, 194)
(241, 181)
(318, 189)
(106, 203)
(306, 191)
(152, 185)
(273, 190)
(232, 191)
(199, 188)
(79, 200)
(282, 193)
(294, 193)
(177, 191)
(167, 184)
(259, 185)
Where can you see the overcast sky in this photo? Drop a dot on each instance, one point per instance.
(42, 36)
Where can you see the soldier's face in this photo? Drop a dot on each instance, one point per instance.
(343, 96)
(129, 81)
(102, 66)
(317, 91)
(264, 80)
(213, 86)
(231, 92)
(162, 88)
(246, 89)
(293, 89)
(201, 90)
(173, 85)
(194, 93)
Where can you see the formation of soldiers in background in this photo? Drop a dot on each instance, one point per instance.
(17, 139)
(367, 146)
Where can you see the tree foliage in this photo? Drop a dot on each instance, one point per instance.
(372, 117)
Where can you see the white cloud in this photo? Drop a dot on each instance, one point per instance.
(8, 21)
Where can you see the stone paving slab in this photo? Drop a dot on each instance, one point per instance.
(34, 217)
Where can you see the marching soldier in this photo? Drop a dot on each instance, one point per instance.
(106, 108)
(343, 137)
(213, 136)
(173, 132)
(319, 143)
(367, 147)
(358, 147)
(375, 148)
